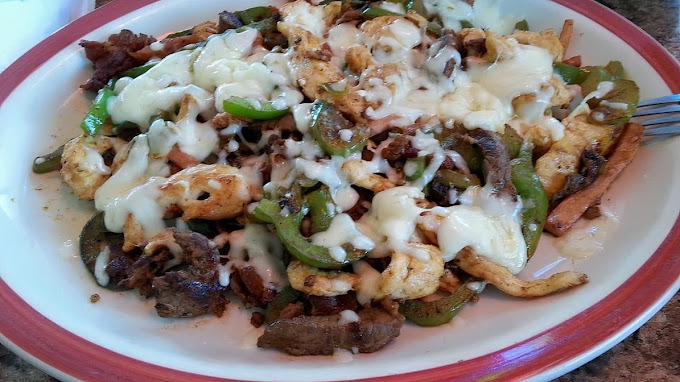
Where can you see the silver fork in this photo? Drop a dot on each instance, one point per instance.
(659, 116)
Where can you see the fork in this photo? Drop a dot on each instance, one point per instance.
(656, 121)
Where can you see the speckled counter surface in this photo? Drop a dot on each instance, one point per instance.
(652, 353)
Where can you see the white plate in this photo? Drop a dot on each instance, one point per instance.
(45, 290)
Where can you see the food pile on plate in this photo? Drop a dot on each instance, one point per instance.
(343, 166)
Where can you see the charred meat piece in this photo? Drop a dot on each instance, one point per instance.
(197, 34)
(249, 287)
(592, 164)
(187, 293)
(228, 20)
(324, 306)
(451, 39)
(95, 240)
(180, 269)
(320, 335)
(113, 56)
(496, 166)
(194, 289)
(120, 263)
(399, 148)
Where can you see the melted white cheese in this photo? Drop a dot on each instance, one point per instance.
(525, 72)
(256, 246)
(157, 90)
(100, 267)
(391, 220)
(306, 16)
(128, 192)
(485, 14)
(329, 173)
(342, 230)
(347, 316)
(93, 162)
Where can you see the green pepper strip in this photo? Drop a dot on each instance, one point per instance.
(534, 199)
(138, 71)
(512, 141)
(416, 5)
(371, 13)
(182, 33)
(96, 116)
(434, 28)
(624, 92)
(240, 107)
(254, 14)
(325, 125)
(436, 312)
(414, 166)
(287, 296)
(570, 74)
(522, 25)
(466, 24)
(455, 179)
(288, 229)
(319, 201)
(49, 162)
(596, 74)
(331, 88)
(204, 227)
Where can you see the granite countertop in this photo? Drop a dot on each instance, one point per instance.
(651, 353)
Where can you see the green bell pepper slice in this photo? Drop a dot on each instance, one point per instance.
(288, 229)
(466, 24)
(288, 295)
(434, 28)
(416, 5)
(326, 126)
(318, 202)
(611, 72)
(455, 179)
(512, 141)
(371, 13)
(138, 71)
(254, 14)
(414, 168)
(535, 202)
(97, 115)
(438, 312)
(182, 33)
(49, 162)
(620, 106)
(522, 25)
(241, 107)
(570, 74)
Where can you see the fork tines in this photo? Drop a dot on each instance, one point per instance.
(661, 125)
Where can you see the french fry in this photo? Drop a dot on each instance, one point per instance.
(567, 212)
(567, 32)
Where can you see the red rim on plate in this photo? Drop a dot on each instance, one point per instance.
(55, 348)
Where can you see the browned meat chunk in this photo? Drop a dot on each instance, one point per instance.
(113, 56)
(320, 335)
(198, 34)
(184, 284)
(399, 148)
(227, 21)
(592, 165)
(496, 167)
(120, 263)
(324, 306)
(249, 287)
(188, 294)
